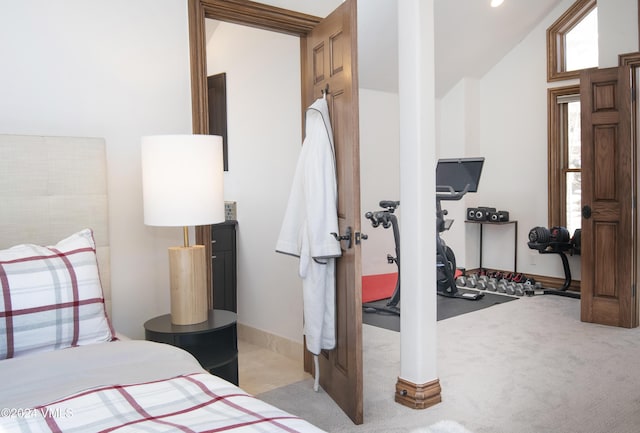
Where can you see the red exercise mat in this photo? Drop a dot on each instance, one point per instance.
(376, 287)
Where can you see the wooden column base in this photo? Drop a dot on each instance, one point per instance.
(418, 396)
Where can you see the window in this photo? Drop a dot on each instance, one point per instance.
(572, 45)
(572, 41)
(564, 159)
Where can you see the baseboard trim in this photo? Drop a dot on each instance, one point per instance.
(418, 396)
(275, 343)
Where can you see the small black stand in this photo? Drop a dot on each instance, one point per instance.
(214, 343)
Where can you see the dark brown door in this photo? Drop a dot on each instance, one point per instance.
(329, 57)
(217, 104)
(608, 192)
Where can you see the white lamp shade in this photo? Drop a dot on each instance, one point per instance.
(182, 180)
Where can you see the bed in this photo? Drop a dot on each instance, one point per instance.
(62, 365)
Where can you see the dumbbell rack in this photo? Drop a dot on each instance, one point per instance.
(500, 284)
(500, 223)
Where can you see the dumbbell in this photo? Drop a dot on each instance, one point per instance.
(492, 285)
(510, 288)
(502, 286)
(481, 285)
(461, 281)
(519, 289)
(471, 281)
(528, 288)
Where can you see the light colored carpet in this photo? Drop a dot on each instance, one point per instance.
(522, 367)
(445, 426)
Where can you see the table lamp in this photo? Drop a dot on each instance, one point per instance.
(182, 185)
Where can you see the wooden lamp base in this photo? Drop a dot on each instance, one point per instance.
(187, 274)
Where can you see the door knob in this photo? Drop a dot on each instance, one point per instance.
(586, 212)
(344, 237)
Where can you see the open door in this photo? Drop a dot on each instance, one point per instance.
(329, 58)
(608, 286)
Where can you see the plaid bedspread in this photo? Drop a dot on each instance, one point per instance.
(197, 402)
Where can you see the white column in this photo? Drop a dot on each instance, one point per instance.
(417, 190)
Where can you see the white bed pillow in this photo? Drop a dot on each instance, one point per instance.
(51, 297)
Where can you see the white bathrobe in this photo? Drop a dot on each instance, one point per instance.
(309, 220)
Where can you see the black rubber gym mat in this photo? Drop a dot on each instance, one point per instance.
(447, 308)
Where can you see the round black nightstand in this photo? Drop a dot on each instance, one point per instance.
(213, 343)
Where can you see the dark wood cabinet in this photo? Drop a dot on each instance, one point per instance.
(223, 265)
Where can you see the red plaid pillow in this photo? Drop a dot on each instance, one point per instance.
(51, 297)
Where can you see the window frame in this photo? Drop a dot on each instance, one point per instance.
(557, 158)
(556, 33)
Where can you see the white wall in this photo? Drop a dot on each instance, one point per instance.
(318, 8)
(115, 69)
(619, 19)
(513, 139)
(264, 131)
(511, 133)
(457, 136)
(379, 174)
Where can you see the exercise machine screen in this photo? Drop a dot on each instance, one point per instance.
(457, 173)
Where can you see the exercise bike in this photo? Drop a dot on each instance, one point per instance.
(445, 257)
(450, 175)
(386, 218)
(454, 179)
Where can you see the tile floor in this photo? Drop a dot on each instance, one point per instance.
(261, 370)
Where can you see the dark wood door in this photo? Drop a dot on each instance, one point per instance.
(329, 55)
(608, 192)
(217, 104)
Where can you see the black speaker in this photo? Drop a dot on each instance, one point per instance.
(499, 216)
(480, 213)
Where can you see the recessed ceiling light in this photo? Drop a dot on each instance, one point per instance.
(496, 3)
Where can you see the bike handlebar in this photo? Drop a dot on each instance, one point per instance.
(448, 193)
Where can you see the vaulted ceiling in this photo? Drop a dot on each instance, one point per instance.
(470, 37)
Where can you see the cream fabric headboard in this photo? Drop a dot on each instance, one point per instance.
(52, 187)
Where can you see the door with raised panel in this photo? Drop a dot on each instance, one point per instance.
(328, 56)
(330, 59)
(608, 192)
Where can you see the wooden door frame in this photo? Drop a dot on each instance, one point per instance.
(241, 12)
(633, 61)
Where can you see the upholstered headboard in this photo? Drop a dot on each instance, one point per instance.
(52, 187)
